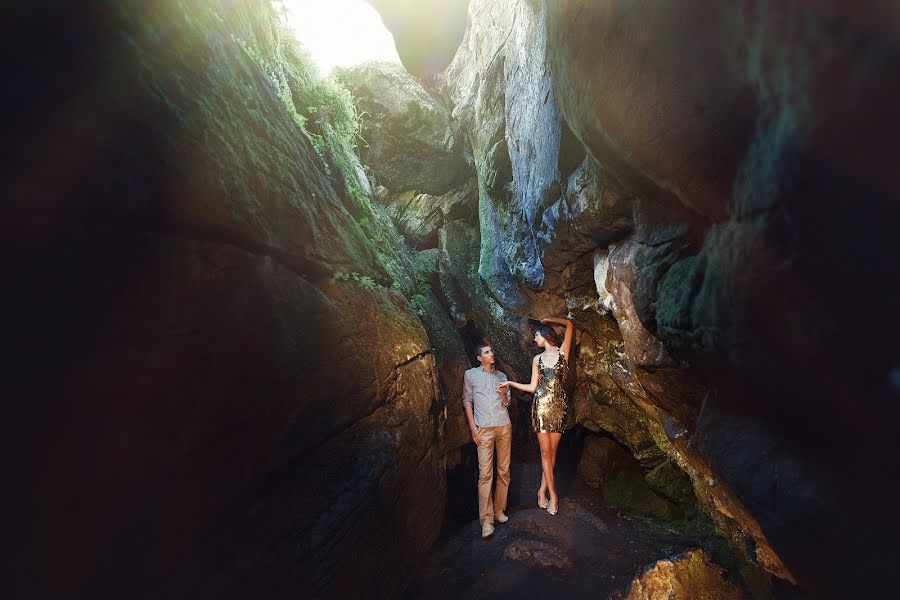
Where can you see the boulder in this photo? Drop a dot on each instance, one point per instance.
(600, 457)
(601, 405)
(674, 400)
(688, 576)
(410, 141)
(419, 216)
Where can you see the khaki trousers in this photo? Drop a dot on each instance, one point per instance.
(499, 438)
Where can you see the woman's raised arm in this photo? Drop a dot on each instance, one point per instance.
(570, 332)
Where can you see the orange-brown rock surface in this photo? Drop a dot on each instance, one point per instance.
(688, 576)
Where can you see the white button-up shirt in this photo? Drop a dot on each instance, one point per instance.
(480, 390)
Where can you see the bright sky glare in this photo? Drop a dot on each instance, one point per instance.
(341, 33)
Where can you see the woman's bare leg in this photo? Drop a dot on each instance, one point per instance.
(554, 443)
(542, 492)
(547, 464)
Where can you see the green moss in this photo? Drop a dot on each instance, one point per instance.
(628, 490)
(418, 303)
(667, 480)
(425, 263)
(734, 554)
(320, 107)
(720, 535)
(409, 272)
(364, 280)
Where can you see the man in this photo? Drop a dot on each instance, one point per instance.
(491, 428)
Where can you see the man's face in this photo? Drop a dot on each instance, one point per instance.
(487, 356)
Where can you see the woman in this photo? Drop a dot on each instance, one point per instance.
(549, 372)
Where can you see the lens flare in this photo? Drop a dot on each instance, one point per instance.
(340, 33)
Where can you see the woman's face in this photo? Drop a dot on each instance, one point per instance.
(538, 339)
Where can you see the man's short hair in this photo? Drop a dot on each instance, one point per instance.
(479, 348)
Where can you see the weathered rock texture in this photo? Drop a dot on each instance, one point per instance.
(410, 141)
(213, 386)
(503, 96)
(435, 204)
(235, 375)
(688, 576)
(420, 217)
(764, 139)
(600, 458)
(721, 283)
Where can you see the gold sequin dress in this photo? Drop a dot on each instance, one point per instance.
(548, 411)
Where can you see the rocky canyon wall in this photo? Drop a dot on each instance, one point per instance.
(233, 353)
(214, 383)
(709, 192)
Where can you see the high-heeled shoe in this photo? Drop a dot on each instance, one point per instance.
(544, 505)
(552, 511)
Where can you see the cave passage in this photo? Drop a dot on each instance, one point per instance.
(243, 281)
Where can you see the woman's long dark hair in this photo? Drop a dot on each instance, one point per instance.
(549, 334)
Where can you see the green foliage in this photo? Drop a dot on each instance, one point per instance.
(323, 110)
(364, 280)
(425, 263)
(320, 106)
(409, 271)
(418, 303)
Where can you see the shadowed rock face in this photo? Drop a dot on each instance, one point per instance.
(197, 405)
(600, 458)
(771, 130)
(416, 154)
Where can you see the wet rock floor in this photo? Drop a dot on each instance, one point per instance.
(588, 550)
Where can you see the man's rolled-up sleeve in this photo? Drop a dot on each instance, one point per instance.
(467, 389)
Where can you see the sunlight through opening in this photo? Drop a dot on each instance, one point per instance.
(340, 33)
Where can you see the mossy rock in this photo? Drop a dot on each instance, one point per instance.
(628, 490)
(670, 482)
(411, 141)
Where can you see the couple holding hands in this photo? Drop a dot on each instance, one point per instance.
(486, 398)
